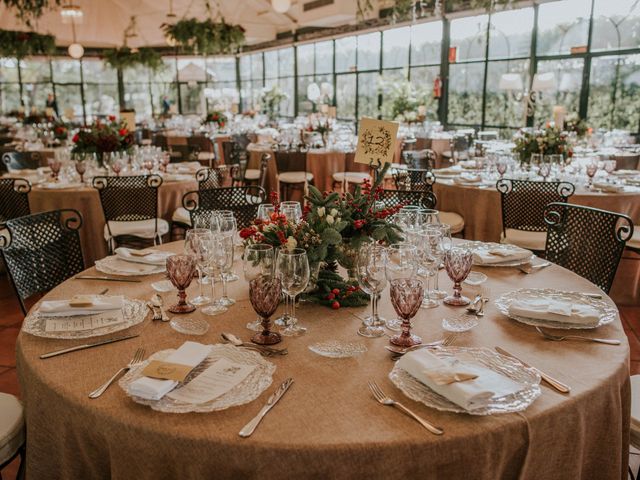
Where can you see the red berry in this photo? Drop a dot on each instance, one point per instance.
(335, 305)
(331, 296)
(335, 291)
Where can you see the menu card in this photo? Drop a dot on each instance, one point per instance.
(82, 323)
(214, 382)
(376, 141)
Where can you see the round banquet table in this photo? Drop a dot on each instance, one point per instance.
(87, 201)
(328, 424)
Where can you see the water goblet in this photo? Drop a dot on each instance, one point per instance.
(371, 275)
(81, 168)
(429, 258)
(148, 164)
(197, 243)
(226, 270)
(218, 258)
(406, 297)
(544, 170)
(610, 166)
(180, 269)
(401, 264)
(457, 262)
(116, 166)
(444, 244)
(591, 170)
(265, 210)
(55, 165)
(165, 159)
(501, 166)
(258, 261)
(291, 210)
(292, 267)
(264, 294)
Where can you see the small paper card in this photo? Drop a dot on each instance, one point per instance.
(81, 323)
(167, 370)
(376, 141)
(214, 382)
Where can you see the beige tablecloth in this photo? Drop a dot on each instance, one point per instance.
(87, 201)
(328, 425)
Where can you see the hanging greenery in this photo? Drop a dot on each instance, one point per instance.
(205, 37)
(401, 10)
(124, 58)
(29, 10)
(14, 44)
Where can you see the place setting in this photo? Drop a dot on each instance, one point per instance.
(130, 262)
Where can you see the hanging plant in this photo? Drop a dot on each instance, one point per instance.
(124, 58)
(15, 44)
(28, 10)
(205, 37)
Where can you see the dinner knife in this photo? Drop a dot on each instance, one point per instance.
(108, 279)
(561, 387)
(249, 428)
(86, 345)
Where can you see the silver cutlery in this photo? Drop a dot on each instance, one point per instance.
(106, 279)
(473, 308)
(558, 338)
(398, 352)
(154, 312)
(262, 349)
(382, 398)
(590, 295)
(157, 302)
(558, 385)
(483, 301)
(85, 346)
(250, 427)
(137, 359)
(527, 268)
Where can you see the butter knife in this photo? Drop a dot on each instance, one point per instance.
(86, 345)
(249, 428)
(561, 387)
(106, 279)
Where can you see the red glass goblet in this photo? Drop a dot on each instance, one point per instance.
(55, 166)
(406, 297)
(264, 293)
(457, 262)
(81, 168)
(180, 269)
(116, 166)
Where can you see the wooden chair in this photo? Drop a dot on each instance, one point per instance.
(292, 172)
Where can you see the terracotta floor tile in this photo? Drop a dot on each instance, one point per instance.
(8, 337)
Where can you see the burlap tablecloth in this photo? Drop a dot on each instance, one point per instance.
(87, 201)
(328, 425)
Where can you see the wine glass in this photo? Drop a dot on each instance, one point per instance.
(292, 267)
(218, 258)
(227, 269)
(406, 297)
(610, 166)
(591, 170)
(457, 262)
(545, 168)
(265, 210)
(501, 166)
(180, 269)
(55, 165)
(258, 260)
(291, 210)
(444, 244)
(427, 216)
(224, 222)
(165, 159)
(370, 271)
(116, 166)
(148, 164)
(429, 257)
(81, 168)
(264, 294)
(401, 264)
(197, 243)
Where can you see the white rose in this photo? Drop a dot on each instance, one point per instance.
(334, 213)
(330, 219)
(291, 243)
(338, 220)
(321, 211)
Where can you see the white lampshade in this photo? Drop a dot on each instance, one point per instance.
(76, 50)
(313, 92)
(544, 82)
(511, 82)
(281, 6)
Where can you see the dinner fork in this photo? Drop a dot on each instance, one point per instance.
(137, 359)
(558, 338)
(382, 398)
(445, 342)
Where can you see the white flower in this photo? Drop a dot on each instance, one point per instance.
(330, 219)
(321, 211)
(291, 243)
(334, 213)
(338, 220)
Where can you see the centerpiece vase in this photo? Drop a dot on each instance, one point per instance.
(347, 258)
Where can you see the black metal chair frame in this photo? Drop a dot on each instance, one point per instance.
(420, 159)
(414, 179)
(128, 199)
(262, 176)
(41, 251)
(215, 177)
(14, 198)
(243, 201)
(423, 198)
(22, 160)
(587, 241)
(235, 156)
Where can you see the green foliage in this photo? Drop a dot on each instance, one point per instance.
(29, 10)
(124, 58)
(402, 99)
(271, 99)
(350, 294)
(547, 142)
(205, 37)
(15, 44)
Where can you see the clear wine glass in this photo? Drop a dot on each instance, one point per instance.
(501, 166)
(265, 210)
(406, 297)
(218, 258)
(258, 260)
(544, 169)
(55, 165)
(457, 262)
(264, 294)
(401, 264)
(116, 166)
(429, 257)
(291, 210)
(371, 274)
(591, 170)
(227, 270)
(180, 269)
(197, 243)
(446, 242)
(292, 267)
(81, 168)
(224, 222)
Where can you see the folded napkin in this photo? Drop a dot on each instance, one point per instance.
(471, 393)
(491, 256)
(155, 257)
(468, 164)
(608, 187)
(190, 353)
(64, 308)
(468, 179)
(555, 311)
(449, 171)
(60, 185)
(125, 266)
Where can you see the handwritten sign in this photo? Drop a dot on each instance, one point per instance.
(376, 141)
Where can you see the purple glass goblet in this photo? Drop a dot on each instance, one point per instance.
(265, 292)
(406, 297)
(81, 168)
(55, 166)
(180, 269)
(457, 262)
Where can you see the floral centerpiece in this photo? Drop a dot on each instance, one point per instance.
(270, 99)
(548, 141)
(60, 130)
(576, 125)
(321, 126)
(217, 117)
(102, 138)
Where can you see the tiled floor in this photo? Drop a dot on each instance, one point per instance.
(11, 319)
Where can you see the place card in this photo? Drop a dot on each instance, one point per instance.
(376, 141)
(167, 370)
(82, 323)
(214, 382)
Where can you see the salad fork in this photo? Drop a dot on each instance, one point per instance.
(445, 342)
(137, 359)
(382, 398)
(559, 338)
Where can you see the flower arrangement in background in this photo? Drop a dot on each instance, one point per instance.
(103, 137)
(548, 141)
(577, 125)
(217, 117)
(270, 100)
(402, 100)
(60, 130)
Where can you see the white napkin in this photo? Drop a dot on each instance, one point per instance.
(61, 308)
(608, 187)
(469, 394)
(555, 311)
(60, 185)
(468, 179)
(156, 257)
(126, 266)
(190, 353)
(492, 256)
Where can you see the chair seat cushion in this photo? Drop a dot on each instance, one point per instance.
(525, 239)
(137, 228)
(252, 174)
(633, 242)
(351, 177)
(455, 221)
(295, 177)
(11, 426)
(181, 215)
(206, 156)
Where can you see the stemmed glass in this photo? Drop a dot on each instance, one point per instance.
(457, 262)
(501, 166)
(197, 243)
(265, 210)
(81, 168)
(180, 269)
(165, 159)
(264, 294)
(227, 269)
(148, 164)
(591, 170)
(218, 258)
(370, 271)
(224, 222)
(545, 168)
(406, 297)
(55, 165)
(291, 210)
(116, 166)
(258, 260)
(401, 264)
(292, 267)
(444, 244)
(429, 257)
